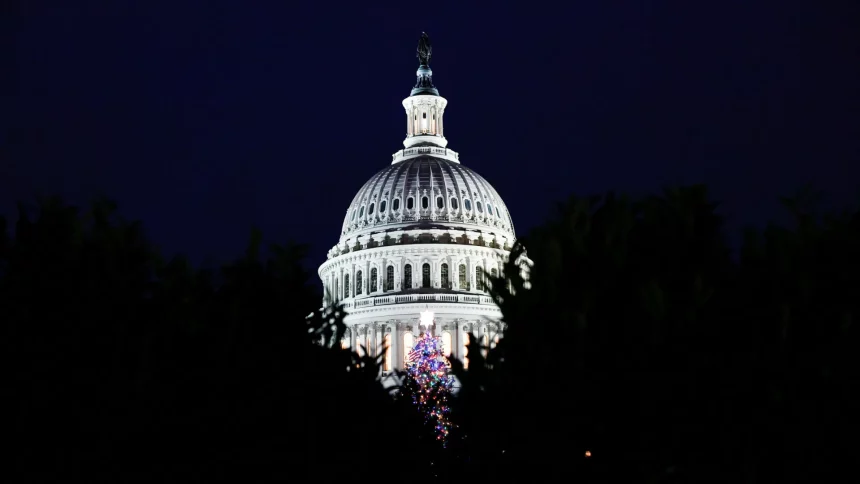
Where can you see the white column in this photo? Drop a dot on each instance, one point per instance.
(397, 342)
(473, 281)
(485, 339)
(439, 271)
(486, 271)
(380, 335)
(461, 340)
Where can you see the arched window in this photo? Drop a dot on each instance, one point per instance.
(485, 343)
(336, 295)
(462, 271)
(373, 280)
(454, 204)
(425, 203)
(382, 206)
(478, 206)
(346, 285)
(445, 281)
(408, 340)
(493, 273)
(370, 209)
(361, 212)
(395, 205)
(407, 277)
(446, 344)
(358, 282)
(386, 360)
(479, 278)
(425, 275)
(489, 209)
(353, 215)
(440, 202)
(410, 203)
(389, 278)
(467, 204)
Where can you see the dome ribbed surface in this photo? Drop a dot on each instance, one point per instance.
(466, 200)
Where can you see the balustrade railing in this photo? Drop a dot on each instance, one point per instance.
(413, 298)
(424, 150)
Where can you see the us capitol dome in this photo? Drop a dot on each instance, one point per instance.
(417, 242)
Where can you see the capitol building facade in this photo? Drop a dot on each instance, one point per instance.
(421, 236)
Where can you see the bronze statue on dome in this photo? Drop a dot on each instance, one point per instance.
(425, 50)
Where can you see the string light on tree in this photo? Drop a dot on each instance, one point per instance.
(428, 380)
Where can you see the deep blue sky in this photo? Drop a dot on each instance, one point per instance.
(204, 118)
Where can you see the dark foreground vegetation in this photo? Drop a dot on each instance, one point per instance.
(642, 341)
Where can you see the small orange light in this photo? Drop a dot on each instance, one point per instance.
(587, 453)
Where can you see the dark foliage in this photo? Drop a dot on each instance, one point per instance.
(636, 338)
(642, 342)
(125, 368)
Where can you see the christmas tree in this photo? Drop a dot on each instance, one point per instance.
(428, 380)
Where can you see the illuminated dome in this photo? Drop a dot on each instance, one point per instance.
(422, 236)
(429, 192)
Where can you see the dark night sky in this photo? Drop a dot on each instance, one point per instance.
(204, 118)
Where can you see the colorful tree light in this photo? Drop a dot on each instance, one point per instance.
(428, 379)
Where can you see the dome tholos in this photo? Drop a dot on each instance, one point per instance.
(427, 192)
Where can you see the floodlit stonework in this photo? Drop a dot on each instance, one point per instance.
(421, 235)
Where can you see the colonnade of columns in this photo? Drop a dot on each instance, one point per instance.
(424, 119)
(396, 338)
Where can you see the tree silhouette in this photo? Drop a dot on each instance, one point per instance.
(128, 368)
(636, 350)
(642, 343)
